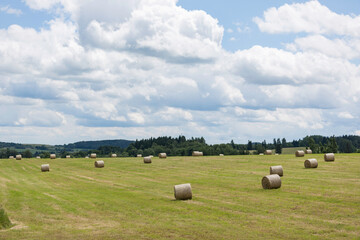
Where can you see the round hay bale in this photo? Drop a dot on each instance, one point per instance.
(18, 157)
(276, 154)
(99, 164)
(277, 170)
(147, 159)
(38, 157)
(268, 152)
(11, 157)
(329, 157)
(45, 167)
(93, 155)
(299, 153)
(139, 155)
(221, 155)
(271, 181)
(308, 151)
(311, 163)
(52, 156)
(87, 157)
(197, 153)
(113, 155)
(261, 154)
(162, 155)
(183, 191)
(68, 156)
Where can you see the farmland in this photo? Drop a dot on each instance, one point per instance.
(128, 199)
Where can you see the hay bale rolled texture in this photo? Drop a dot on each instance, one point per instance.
(45, 167)
(11, 157)
(52, 156)
(277, 170)
(99, 164)
(329, 157)
(221, 155)
(308, 151)
(299, 153)
(139, 155)
(18, 157)
(68, 156)
(93, 155)
(183, 191)
(268, 152)
(162, 155)
(197, 153)
(113, 155)
(261, 154)
(311, 163)
(38, 157)
(271, 181)
(147, 159)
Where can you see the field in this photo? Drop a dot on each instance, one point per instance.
(131, 200)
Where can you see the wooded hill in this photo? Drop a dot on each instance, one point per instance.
(180, 146)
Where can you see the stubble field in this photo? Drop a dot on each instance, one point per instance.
(128, 199)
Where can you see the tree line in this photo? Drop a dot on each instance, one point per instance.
(181, 146)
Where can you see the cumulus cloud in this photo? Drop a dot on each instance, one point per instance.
(142, 68)
(309, 17)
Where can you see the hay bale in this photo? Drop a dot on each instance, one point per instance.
(162, 155)
(87, 157)
(308, 151)
(38, 157)
(147, 159)
(18, 157)
(261, 154)
(268, 152)
(11, 157)
(277, 170)
(221, 155)
(197, 153)
(93, 155)
(99, 164)
(45, 167)
(299, 153)
(311, 163)
(271, 181)
(329, 157)
(52, 156)
(183, 191)
(276, 154)
(151, 156)
(113, 155)
(139, 155)
(67, 156)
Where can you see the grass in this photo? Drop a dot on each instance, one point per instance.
(131, 200)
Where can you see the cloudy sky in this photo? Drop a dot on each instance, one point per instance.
(73, 70)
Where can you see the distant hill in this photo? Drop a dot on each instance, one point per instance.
(96, 144)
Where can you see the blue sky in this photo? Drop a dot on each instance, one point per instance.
(244, 70)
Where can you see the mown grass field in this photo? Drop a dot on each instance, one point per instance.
(131, 200)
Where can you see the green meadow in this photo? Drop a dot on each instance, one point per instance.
(128, 199)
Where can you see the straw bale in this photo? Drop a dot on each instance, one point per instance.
(45, 167)
(221, 155)
(271, 181)
(268, 152)
(99, 164)
(52, 156)
(277, 170)
(197, 153)
(162, 155)
(183, 191)
(18, 157)
(147, 159)
(299, 153)
(139, 155)
(311, 163)
(113, 155)
(11, 157)
(308, 151)
(93, 155)
(329, 157)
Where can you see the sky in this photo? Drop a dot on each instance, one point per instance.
(74, 70)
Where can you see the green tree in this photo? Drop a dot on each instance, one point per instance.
(278, 148)
(27, 154)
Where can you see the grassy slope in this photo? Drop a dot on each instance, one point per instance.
(131, 200)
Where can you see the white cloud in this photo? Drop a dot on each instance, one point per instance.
(346, 115)
(309, 17)
(9, 10)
